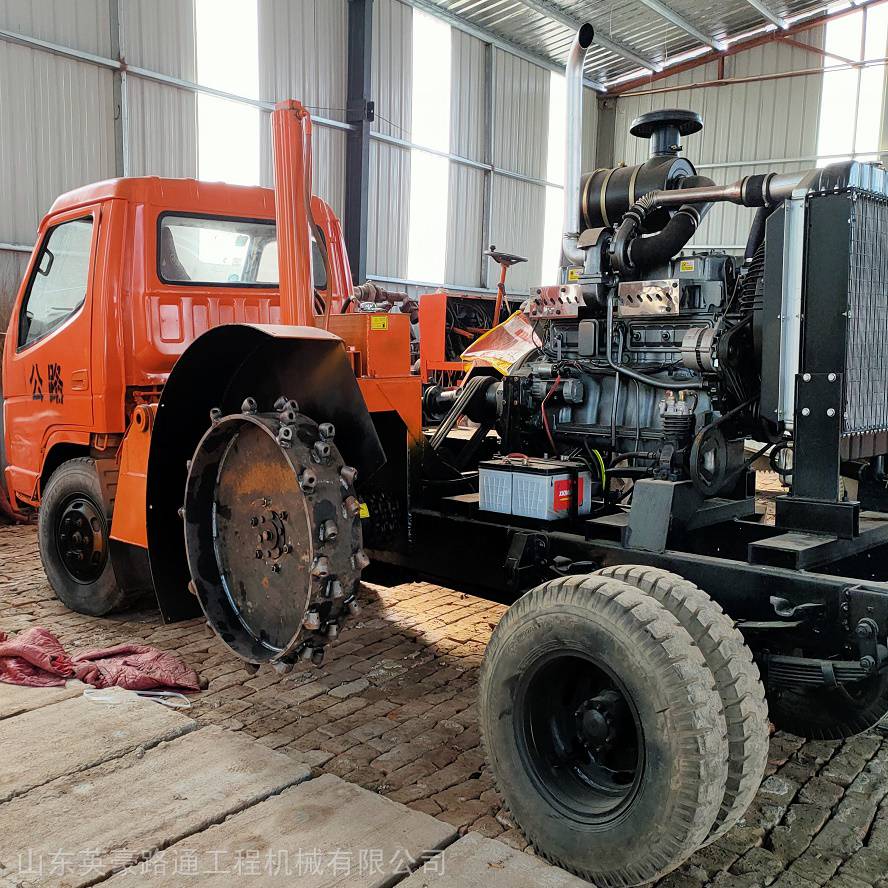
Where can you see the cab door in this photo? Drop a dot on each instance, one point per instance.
(48, 397)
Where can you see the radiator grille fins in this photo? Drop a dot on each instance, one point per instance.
(866, 370)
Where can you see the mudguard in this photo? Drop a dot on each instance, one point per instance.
(220, 369)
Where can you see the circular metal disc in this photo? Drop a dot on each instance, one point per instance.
(263, 537)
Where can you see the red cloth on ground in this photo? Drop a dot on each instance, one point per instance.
(136, 667)
(34, 658)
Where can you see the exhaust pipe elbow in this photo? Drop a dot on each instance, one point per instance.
(573, 161)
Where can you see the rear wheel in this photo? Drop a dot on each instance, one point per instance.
(736, 677)
(603, 729)
(830, 713)
(72, 531)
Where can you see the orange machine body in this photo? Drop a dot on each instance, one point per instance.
(91, 385)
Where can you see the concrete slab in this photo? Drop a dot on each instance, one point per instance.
(75, 734)
(322, 833)
(82, 827)
(15, 699)
(478, 862)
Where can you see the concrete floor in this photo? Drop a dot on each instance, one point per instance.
(393, 710)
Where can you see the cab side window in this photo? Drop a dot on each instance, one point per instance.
(58, 285)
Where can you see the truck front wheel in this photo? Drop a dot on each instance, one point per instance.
(604, 730)
(72, 532)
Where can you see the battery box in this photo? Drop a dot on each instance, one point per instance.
(534, 488)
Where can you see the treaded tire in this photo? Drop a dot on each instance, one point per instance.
(830, 713)
(685, 747)
(72, 479)
(736, 677)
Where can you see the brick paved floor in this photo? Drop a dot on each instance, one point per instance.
(394, 710)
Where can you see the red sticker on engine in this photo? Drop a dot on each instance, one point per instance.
(562, 492)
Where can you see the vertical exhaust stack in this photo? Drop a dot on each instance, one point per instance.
(571, 254)
(291, 133)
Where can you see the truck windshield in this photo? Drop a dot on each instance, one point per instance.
(216, 251)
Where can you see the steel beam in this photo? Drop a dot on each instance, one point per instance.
(360, 113)
(766, 11)
(494, 39)
(679, 21)
(557, 14)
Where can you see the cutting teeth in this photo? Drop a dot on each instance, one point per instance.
(249, 406)
(282, 668)
(312, 621)
(321, 451)
(321, 567)
(348, 474)
(308, 480)
(327, 431)
(360, 559)
(329, 531)
(334, 590)
(352, 507)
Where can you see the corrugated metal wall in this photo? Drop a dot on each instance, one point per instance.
(162, 120)
(747, 128)
(303, 55)
(499, 117)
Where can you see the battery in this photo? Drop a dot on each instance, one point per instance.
(534, 488)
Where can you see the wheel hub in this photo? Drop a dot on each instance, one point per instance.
(582, 738)
(82, 539)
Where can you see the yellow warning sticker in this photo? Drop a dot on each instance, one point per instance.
(379, 322)
(364, 512)
(688, 265)
(574, 274)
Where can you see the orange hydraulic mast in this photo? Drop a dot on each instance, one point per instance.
(291, 130)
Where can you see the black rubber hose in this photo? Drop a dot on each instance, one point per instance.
(757, 232)
(646, 252)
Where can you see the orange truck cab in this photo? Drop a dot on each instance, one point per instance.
(144, 302)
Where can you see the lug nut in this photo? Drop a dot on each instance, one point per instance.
(327, 431)
(349, 475)
(321, 567)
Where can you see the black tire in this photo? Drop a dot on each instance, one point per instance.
(86, 586)
(736, 678)
(575, 633)
(830, 713)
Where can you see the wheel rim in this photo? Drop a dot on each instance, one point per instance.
(81, 535)
(580, 737)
